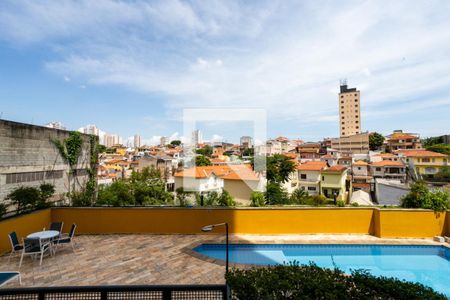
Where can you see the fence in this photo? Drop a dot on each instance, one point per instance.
(137, 292)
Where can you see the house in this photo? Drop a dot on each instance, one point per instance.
(361, 176)
(388, 169)
(309, 176)
(384, 156)
(334, 182)
(239, 180)
(399, 141)
(345, 161)
(330, 159)
(309, 151)
(423, 163)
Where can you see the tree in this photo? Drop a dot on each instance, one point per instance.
(225, 199)
(420, 197)
(432, 141)
(29, 198)
(443, 174)
(279, 167)
(248, 152)
(440, 148)
(101, 148)
(275, 194)
(202, 160)
(175, 143)
(375, 141)
(206, 151)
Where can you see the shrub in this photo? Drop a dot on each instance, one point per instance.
(312, 282)
(225, 199)
(276, 194)
(340, 203)
(211, 199)
(2, 210)
(317, 200)
(420, 197)
(355, 204)
(299, 196)
(257, 199)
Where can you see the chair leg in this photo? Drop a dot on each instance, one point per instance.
(21, 259)
(10, 255)
(73, 246)
(20, 279)
(42, 255)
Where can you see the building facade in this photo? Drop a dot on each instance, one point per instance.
(349, 110)
(352, 144)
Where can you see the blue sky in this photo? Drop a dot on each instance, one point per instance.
(133, 66)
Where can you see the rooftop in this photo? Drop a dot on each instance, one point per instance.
(420, 153)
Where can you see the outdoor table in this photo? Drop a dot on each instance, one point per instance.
(45, 235)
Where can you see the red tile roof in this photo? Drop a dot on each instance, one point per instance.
(388, 163)
(420, 153)
(312, 166)
(336, 169)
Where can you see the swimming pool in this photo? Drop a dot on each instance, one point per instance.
(429, 265)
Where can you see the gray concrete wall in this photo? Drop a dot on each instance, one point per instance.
(28, 150)
(389, 194)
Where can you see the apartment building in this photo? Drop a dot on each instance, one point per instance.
(389, 169)
(352, 144)
(349, 110)
(399, 141)
(424, 164)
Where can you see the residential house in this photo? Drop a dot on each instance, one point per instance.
(345, 161)
(309, 151)
(389, 169)
(308, 176)
(361, 177)
(424, 164)
(330, 159)
(334, 182)
(384, 156)
(400, 141)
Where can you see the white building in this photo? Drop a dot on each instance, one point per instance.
(56, 125)
(196, 137)
(137, 141)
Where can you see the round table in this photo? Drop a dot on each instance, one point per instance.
(44, 235)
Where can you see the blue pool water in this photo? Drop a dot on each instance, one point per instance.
(429, 265)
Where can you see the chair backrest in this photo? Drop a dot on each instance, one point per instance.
(58, 226)
(13, 239)
(72, 230)
(32, 245)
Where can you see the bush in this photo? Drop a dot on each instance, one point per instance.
(421, 197)
(29, 198)
(340, 203)
(317, 200)
(355, 204)
(2, 210)
(312, 282)
(257, 199)
(299, 196)
(276, 194)
(225, 199)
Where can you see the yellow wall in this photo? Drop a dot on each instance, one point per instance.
(375, 221)
(23, 225)
(412, 223)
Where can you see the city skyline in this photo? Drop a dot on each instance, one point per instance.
(284, 57)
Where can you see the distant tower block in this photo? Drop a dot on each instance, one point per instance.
(349, 110)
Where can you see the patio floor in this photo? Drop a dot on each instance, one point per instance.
(149, 259)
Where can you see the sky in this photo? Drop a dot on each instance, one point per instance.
(132, 67)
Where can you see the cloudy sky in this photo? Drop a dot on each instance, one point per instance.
(133, 66)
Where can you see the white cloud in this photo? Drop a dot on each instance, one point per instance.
(282, 56)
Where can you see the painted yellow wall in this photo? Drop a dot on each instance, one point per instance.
(23, 225)
(412, 223)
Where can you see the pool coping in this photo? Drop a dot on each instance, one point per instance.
(189, 249)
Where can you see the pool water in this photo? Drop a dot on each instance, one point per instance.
(429, 265)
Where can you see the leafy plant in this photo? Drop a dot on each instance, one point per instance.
(46, 191)
(225, 199)
(375, 141)
(279, 167)
(440, 148)
(420, 197)
(275, 194)
(29, 198)
(317, 200)
(202, 160)
(340, 203)
(211, 198)
(299, 196)
(257, 199)
(312, 282)
(355, 204)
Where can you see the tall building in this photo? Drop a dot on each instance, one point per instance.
(196, 137)
(137, 141)
(90, 129)
(111, 140)
(55, 125)
(163, 141)
(246, 142)
(349, 110)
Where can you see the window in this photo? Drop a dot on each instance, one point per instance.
(356, 95)
(311, 188)
(378, 169)
(359, 168)
(343, 128)
(343, 123)
(342, 117)
(32, 176)
(323, 177)
(342, 96)
(342, 102)
(356, 105)
(356, 100)
(356, 110)
(357, 127)
(356, 121)
(343, 133)
(356, 116)
(302, 176)
(425, 160)
(342, 107)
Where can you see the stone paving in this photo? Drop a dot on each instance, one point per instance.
(150, 259)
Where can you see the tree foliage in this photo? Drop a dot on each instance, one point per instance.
(312, 282)
(28, 198)
(440, 148)
(175, 143)
(421, 197)
(299, 196)
(275, 194)
(279, 167)
(257, 199)
(375, 141)
(202, 160)
(205, 151)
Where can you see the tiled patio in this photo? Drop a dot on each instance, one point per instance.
(149, 259)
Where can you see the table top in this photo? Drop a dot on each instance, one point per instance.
(47, 234)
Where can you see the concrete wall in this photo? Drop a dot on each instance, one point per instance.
(389, 194)
(28, 150)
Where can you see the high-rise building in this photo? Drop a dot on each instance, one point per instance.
(89, 129)
(196, 137)
(55, 125)
(137, 141)
(349, 110)
(112, 139)
(164, 140)
(246, 142)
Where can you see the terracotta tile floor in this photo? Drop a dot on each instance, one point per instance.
(148, 259)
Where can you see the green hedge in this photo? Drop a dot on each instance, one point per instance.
(312, 282)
